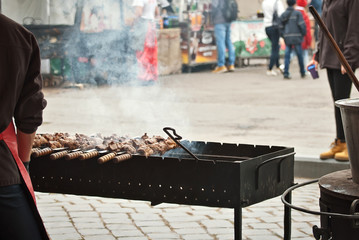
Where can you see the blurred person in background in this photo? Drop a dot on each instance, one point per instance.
(341, 18)
(307, 40)
(222, 31)
(22, 103)
(272, 30)
(293, 30)
(144, 40)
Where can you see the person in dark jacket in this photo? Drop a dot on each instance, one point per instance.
(22, 103)
(341, 19)
(293, 31)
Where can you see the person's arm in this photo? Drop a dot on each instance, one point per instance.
(24, 142)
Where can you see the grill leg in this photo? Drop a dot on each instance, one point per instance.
(238, 223)
(287, 217)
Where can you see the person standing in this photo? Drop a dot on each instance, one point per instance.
(293, 31)
(272, 31)
(145, 40)
(22, 103)
(341, 19)
(307, 40)
(222, 32)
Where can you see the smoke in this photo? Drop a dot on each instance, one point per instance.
(102, 53)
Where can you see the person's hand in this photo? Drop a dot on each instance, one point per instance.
(27, 166)
(313, 62)
(343, 69)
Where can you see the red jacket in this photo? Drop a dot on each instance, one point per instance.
(307, 40)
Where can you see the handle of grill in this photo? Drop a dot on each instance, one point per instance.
(339, 53)
(282, 157)
(176, 140)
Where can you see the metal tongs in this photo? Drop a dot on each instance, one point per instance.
(176, 140)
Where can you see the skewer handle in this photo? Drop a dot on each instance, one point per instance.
(73, 155)
(58, 155)
(106, 158)
(41, 152)
(121, 158)
(88, 155)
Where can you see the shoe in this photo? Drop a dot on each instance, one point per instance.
(336, 147)
(221, 69)
(281, 68)
(342, 156)
(271, 73)
(303, 75)
(287, 76)
(230, 68)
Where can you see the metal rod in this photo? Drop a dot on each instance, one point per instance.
(339, 53)
(237, 223)
(288, 218)
(175, 139)
(289, 190)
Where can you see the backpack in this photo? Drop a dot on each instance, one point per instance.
(230, 10)
(275, 18)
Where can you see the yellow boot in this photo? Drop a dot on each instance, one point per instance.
(342, 156)
(336, 147)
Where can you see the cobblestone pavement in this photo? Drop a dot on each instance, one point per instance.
(94, 218)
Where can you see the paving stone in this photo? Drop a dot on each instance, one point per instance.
(217, 223)
(179, 225)
(81, 225)
(99, 237)
(155, 229)
(188, 231)
(163, 235)
(128, 233)
(197, 237)
(93, 231)
(72, 236)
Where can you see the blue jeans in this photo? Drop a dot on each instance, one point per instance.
(223, 40)
(273, 35)
(298, 50)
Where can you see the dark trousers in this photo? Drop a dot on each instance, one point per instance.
(298, 50)
(273, 35)
(17, 220)
(340, 86)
